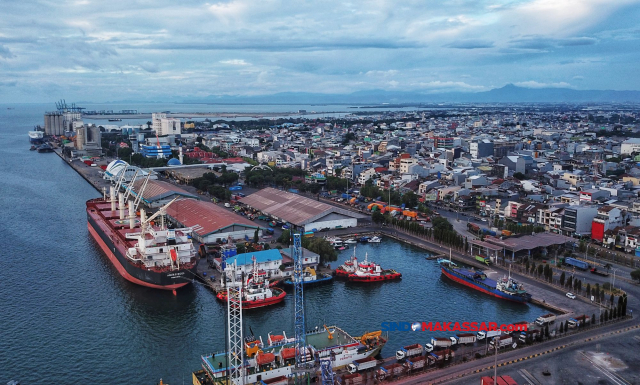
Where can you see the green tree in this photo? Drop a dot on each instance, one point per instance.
(589, 290)
(256, 238)
(519, 176)
(635, 275)
(546, 331)
(377, 217)
(606, 315)
(321, 247)
(593, 319)
(561, 329)
(285, 238)
(562, 277)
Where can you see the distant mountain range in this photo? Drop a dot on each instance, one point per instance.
(507, 94)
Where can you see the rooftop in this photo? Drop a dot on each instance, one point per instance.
(293, 208)
(205, 217)
(157, 190)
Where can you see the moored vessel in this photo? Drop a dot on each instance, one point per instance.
(142, 252)
(505, 288)
(367, 271)
(276, 358)
(256, 291)
(36, 136)
(348, 267)
(310, 278)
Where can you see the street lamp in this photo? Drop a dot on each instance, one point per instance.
(614, 280)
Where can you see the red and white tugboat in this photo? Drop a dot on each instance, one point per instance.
(372, 272)
(348, 267)
(256, 291)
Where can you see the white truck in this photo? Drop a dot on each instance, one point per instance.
(440, 342)
(362, 364)
(465, 338)
(502, 341)
(546, 319)
(418, 362)
(409, 351)
(578, 321)
(488, 334)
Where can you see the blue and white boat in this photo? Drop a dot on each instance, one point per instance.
(309, 278)
(36, 136)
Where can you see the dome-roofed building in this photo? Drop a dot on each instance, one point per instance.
(116, 167)
(174, 162)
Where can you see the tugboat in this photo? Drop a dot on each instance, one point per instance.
(257, 291)
(349, 267)
(309, 278)
(372, 272)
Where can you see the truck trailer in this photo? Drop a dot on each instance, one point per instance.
(546, 319)
(362, 364)
(409, 351)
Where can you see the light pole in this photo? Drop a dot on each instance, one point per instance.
(495, 363)
(613, 283)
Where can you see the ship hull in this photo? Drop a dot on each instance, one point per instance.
(492, 292)
(222, 296)
(379, 278)
(158, 280)
(342, 274)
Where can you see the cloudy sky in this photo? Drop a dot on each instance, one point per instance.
(97, 50)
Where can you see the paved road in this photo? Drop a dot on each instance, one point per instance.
(452, 374)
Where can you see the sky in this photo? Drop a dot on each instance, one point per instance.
(86, 50)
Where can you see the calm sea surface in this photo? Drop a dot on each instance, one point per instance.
(68, 317)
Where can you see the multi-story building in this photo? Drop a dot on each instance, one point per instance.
(162, 151)
(481, 148)
(592, 195)
(608, 218)
(443, 142)
(576, 220)
(165, 126)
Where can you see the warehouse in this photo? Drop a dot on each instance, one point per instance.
(300, 211)
(158, 193)
(210, 223)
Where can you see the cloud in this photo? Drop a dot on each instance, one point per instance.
(8, 83)
(5, 53)
(382, 73)
(576, 41)
(470, 44)
(535, 84)
(235, 62)
(578, 77)
(544, 43)
(448, 85)
(149, 67)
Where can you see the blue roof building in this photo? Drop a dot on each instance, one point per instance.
(268, 261)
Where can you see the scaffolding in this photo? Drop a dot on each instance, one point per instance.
(235, 353)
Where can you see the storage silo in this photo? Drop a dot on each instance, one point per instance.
(47, 124)
(80, 139)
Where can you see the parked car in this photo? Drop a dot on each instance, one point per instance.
(571, 295)
(285, 227)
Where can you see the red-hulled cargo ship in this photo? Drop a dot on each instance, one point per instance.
(372, 272)
(256, 291)
(145, 254)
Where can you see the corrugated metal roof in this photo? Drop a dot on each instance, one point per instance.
(205, 217)
(293, 208)
(157, 189)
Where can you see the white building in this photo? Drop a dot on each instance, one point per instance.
(165, 126)
(629, 146)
